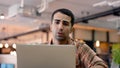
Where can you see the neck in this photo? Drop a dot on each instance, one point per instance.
(60, 42)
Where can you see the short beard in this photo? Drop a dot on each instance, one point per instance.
(60, 38)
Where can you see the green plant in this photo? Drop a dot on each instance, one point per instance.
(116, 53)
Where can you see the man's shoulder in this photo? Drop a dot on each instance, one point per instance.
(78, 43)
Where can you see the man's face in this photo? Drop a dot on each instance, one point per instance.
(61, 26)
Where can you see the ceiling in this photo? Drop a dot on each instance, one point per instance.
(16, 22)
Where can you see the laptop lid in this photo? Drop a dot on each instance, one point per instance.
(46, 56)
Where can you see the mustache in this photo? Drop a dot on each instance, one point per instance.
(60, 32)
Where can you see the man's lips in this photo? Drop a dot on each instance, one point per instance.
(60, 33)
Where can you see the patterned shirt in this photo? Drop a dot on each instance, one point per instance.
(85, 56)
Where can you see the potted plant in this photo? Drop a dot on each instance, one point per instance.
(116, 55)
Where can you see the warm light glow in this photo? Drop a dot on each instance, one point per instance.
(14, 45)
(82, 41)
(1, 45)
(97, 43)
(6, 45)
(13, 53)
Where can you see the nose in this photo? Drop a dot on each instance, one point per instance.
(61, 26)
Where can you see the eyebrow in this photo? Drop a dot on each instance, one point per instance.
(65, 21)
(56, 19)
(59, 20)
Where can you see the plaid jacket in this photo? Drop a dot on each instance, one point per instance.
(85, 56)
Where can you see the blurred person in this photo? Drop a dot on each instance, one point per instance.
(61, 26)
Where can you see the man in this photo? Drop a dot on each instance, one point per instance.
(61, 27)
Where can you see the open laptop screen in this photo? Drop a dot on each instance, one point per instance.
(46, 56)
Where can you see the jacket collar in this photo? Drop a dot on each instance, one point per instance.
(70, 41)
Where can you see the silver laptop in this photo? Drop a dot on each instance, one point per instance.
(46, 56)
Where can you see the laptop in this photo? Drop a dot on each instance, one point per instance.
(46, 56)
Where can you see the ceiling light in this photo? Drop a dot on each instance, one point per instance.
(115, 3)
(22, 4)
(107, 3)
(14, 45)
(2, 16)
(6, 45)
(42, 6)
(1, 45)
(103, 3)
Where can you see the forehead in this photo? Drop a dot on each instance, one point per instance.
(62, 16)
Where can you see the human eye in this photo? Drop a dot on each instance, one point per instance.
(65, 23)
(57, 21)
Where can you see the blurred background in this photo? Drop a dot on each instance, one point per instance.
(97, 22)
